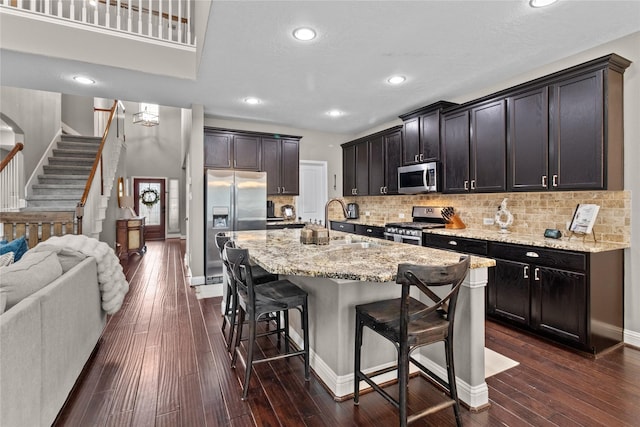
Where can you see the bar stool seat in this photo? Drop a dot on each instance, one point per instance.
(410, 324)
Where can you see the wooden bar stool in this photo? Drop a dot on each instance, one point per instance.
(255, 302)
(260, 276)
(410, 324)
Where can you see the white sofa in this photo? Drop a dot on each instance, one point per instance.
(45, 341)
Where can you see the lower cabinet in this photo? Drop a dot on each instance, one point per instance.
(573, 298)
(359, 229)
(130, 236)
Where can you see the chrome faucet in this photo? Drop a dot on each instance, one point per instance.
(326, 210)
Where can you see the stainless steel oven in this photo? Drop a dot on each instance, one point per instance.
(411, 232)
(402, 235)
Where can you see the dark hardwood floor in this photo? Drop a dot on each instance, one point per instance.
(162, 361)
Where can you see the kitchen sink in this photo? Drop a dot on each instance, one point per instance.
(353, 244)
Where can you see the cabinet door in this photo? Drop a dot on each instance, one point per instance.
(393, 160)
(377, 173)
(290, 167)
(455, 152)
(218, 149)
(246, 152)
(528, 144)
(271, 156)
(488, 166)
(577, 134)
(509, 295)
(558, 303)
(348, 170)
(411, 143)
(430, 136)
(362, 169)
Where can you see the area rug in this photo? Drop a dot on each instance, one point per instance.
(495, 363)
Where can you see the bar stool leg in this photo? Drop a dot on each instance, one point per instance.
(286, 331)
(249, 367)
(403, 381)
(232, 320)
(356, 375)
(238, 338)
(226, 312)
(305, 327)
(448, 348)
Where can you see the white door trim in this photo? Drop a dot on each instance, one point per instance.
(324, 191)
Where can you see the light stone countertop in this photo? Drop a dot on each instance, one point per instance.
(280, 252)
(565, 243)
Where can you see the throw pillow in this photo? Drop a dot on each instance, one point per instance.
(68, 257)
(6, 259)
(34, 272)
(17, 246)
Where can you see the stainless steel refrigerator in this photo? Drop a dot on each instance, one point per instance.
(234, 201)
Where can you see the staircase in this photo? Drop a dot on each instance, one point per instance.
(61, 185)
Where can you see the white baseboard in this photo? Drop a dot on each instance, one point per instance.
(208, 291)
(196, 280)
(632, 338)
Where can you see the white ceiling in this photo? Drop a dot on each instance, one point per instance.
(446, 49)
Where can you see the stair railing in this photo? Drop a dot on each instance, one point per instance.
(136, 17)
(100, 179)
(10, 179)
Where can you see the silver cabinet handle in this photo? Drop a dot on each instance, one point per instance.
(532, 255)
(235, 163)
(341, 226)
(536, 273)
(421, 157)
(466, 185)
(385, 189)
(381, 190)
(415, 158)
(544, 181)
(278, 190)
(369, 230)
(355, 191)
(453, 243)
(283, 190)
(525, 273)
(473, 184)
(554, 180)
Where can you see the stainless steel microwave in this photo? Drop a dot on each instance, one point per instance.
(420, 178)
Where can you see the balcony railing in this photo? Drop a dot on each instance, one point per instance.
(168, 20)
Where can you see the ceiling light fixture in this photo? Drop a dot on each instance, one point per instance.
(334, 113)
(396, 80)
(541, 3)
(84, 80)
(304, 34)
(252, 101)
(148, 116)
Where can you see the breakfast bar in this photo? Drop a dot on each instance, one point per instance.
(353, 270)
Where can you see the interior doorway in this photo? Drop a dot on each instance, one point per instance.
(313, 190)
(153, 207)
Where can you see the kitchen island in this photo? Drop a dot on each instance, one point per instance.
(355, 270)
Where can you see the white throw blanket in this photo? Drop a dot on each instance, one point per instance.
(111, 280)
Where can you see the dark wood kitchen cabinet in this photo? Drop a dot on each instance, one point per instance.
(474, 149)
(384, 159)
(573, 298)
(355, 169)
(231, 150)
(421, 133)
(281, 160)
(456, 244)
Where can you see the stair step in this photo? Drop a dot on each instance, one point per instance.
(66, 170)
(62, 179)
(51, 197)
(42, 189)
(73, 152)
(65, 208)
(71, 161)
(81, 138)
(72, 145)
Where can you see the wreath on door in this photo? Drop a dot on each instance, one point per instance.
(149, 197)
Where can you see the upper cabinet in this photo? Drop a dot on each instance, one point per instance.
(370, 164)
(277, 155)
(280, 159)
(231, 150)
(421, 140)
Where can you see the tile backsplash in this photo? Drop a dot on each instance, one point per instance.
(532, 212)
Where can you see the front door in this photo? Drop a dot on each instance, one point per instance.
(151, 205)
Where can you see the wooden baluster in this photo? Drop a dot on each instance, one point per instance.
(59, 8)
(95, 15)
(47, 7)
(107, 14)
(32, 6)
(33, 234)
(150, 27)
(170, 30)
(72, 11)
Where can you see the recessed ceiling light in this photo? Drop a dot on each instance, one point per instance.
(304, 34)
(396, 80)
(541, 3)
(84, 80)
(334, 113)
(251, 100)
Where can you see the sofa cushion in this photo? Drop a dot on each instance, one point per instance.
(33, 272)
(67, 257)
(3, 301)
(18, 247)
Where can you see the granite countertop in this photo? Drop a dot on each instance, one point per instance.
(574, 244)
(280, 251)
(280, 220)
(360, 221)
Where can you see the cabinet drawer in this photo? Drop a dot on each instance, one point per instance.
(343, 226)
(458, 244)
(369, 230)
(540, 256)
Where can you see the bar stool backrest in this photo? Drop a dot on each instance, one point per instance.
(240, 269)
(221, 239)
(423, 277)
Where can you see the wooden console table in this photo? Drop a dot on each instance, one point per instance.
(130, 236)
